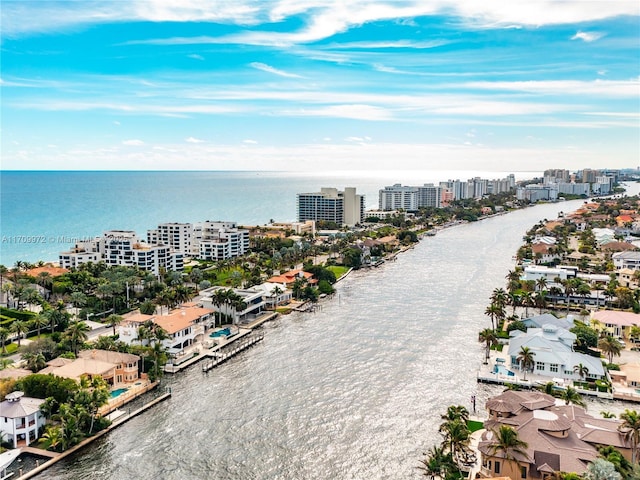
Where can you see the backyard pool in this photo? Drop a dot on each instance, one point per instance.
(502, 370)
(118, 392)
(225, 332)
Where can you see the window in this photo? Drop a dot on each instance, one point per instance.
(497, 467)
(523, 472)
(539, 365)
(553, 367)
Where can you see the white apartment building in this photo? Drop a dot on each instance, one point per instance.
(574, 188)
(409, 199)
(123, 247)
(536, 192)
(331, 205)
(551, 275)
(179, 236)
(397, 197)
(219, 240)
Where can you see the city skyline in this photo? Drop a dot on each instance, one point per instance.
(284, 85)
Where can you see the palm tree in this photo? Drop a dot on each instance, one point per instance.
(488, 336)
(581, 370)
(456, 412)
(571, 395)
(506, 440)
(275, 293)
(499, 297)
(4, 335)
(606, 414)
(113, 320)
(19, 327)
(437, 463)
(630, 428)
(39, 322)
(77, 333)
(456, 438)
(541, 284)
(494, 312)
(610, 347)
(525, 359)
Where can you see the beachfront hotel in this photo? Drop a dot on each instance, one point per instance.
(330, 205)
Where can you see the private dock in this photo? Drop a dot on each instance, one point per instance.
(221, 356)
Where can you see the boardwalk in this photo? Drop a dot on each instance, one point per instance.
(224, 355)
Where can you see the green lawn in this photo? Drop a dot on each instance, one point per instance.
(11, 349)
(474, 425)
(338, 270)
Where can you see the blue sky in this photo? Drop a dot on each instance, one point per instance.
(320, 84)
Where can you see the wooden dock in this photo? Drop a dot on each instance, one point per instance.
(222, 356)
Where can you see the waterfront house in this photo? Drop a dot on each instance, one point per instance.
(617, 322)
(537, 321)
(254, 301)
(287, 279)
(627, 278)
(126, 364)
(184, 326)
(21, 420)
(559, 437)
(80, 367)
(554, 356)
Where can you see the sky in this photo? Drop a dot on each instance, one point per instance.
(319, 85)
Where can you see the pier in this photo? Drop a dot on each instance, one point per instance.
(220, 357)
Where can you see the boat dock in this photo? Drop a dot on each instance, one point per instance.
(222, 356)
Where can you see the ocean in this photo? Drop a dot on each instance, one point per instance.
(43, 213)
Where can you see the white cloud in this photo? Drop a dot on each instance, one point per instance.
(358, 112)
(605, 88)
(116, 123)
(193, 140)
(267, 68)
(249, 142)
(587, 36)
(195, 56)
(322, 19)
(133, 142)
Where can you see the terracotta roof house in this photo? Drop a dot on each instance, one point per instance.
(51, 270)
(21, 420)
(288, 278)
(558, 437)
(14, 373)
(113, 367)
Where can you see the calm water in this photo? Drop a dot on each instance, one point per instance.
(354, 391)
(41, 213)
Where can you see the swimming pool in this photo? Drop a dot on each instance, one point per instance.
(118, 392)
(221, 333)
(503, 370)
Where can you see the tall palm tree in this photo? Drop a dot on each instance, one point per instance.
(610, 347)
(488, 336)
(40, 321)
(77, 333)
(19, 327)
(495, 312)
(630, 428)
(114, 320)
(456, 438)
(456, 412)
(4, 335)
(506, 440)
(438, 463)
(525, 359)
